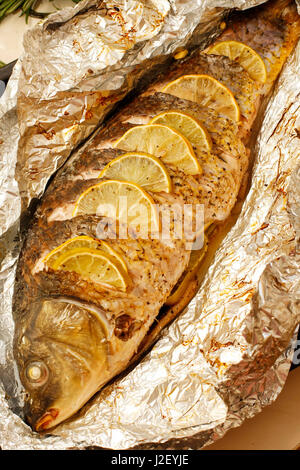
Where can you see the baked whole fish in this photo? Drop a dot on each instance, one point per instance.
(86, 298)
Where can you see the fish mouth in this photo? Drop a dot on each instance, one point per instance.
(47, 420)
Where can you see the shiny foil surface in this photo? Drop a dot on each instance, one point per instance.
(228, 355)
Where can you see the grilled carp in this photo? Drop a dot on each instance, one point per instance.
(86, 297)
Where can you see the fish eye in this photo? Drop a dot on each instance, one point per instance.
(37, 373)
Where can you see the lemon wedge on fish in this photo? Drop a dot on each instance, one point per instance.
(162, 142)
(244, 55)
(125, 202)
(188, 126)
(94, 266)
(82, 241)
(206, 91)
(143, 169)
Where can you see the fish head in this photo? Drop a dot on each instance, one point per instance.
(62, 356)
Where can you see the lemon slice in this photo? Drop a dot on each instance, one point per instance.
(93, 265)
(206, 91)
(188, 126)
(82, 241)
(162, 142)
(145, 170)
(244, 55)
(123, 201)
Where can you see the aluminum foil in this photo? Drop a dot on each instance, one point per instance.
(229, 354)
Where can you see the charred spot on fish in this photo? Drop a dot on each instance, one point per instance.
(125, 327)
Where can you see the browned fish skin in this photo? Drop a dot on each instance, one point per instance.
(222, 168)
(59, 316)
